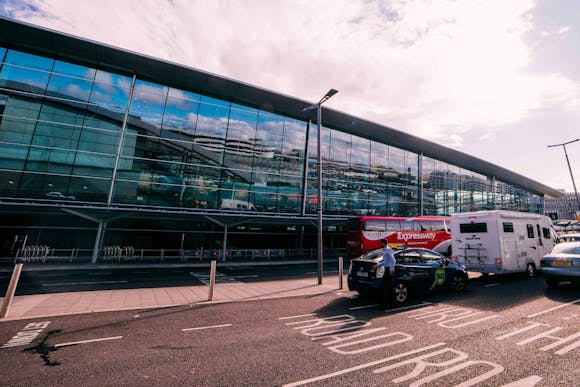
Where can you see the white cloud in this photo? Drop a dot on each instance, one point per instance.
(440, 69)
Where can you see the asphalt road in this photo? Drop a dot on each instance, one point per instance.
(499, 331)
(73, 280)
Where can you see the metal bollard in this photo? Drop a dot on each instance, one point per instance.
(340, 273)
(11, 290)
(212, 270)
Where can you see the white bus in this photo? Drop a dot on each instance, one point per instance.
(501, 241)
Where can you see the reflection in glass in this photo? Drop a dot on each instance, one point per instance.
(70, 81)
(25, 72)
(148, 103)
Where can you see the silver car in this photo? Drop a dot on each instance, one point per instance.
(562, 264)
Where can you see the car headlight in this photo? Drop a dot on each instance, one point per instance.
(380, 272)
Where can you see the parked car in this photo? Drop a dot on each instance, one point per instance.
(572, 237)
(562, 264)
(417, 271)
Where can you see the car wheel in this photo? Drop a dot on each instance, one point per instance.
(552, 282)
(459, 283)
(401, 292)
(531, 270)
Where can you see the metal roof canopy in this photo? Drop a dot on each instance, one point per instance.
(27, 37)
(102, 213)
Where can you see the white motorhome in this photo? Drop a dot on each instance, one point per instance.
(501, 241)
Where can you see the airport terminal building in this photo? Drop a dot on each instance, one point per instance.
(103, 147)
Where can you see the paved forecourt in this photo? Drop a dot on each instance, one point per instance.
(58, 304)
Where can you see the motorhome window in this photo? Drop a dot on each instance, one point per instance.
(468, 228)
(530, 230)
(375, 225)
(539, 236)
(546, 232)
(508, 227)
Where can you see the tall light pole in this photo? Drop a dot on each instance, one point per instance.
(563, 145)
(318, 106)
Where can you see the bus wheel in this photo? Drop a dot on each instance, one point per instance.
(401, 292)
(531, 270)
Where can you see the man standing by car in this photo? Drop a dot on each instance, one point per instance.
(389, 264)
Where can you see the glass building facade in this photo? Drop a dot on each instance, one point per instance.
(77, 138)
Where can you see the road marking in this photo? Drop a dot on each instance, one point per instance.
(363, 307)
(361, 366)
(85, 283)
(208, 327)
(297, 316)
(409, 307)
(86, 341)
(491, 285)
(553, 309)
(27, 335)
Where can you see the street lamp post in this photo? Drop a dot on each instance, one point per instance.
(318, 107)
(563, 145)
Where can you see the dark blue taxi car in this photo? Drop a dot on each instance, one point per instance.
(417, 271)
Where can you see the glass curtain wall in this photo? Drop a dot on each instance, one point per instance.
(61, 125)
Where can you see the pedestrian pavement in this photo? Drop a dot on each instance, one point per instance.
(70, 303)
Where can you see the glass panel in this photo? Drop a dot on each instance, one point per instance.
(340, 147)
(89, 190)
(41, 186)
(212, 123)
(50, 160)
(13, 156)
(50, 132)
(181, 112)
(9, 181)
(18, 119)
(25, 72)
(111, 91)
(71, 81)
(148, 103)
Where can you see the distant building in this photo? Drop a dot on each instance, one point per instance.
(564, 207)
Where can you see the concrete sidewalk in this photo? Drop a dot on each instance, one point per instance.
(60, 304)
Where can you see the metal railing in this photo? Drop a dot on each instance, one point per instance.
(121, 254)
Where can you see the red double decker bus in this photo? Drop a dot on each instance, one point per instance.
(430, 232)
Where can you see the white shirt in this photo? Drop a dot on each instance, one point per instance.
(389, 258)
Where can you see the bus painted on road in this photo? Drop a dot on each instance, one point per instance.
(365, 233)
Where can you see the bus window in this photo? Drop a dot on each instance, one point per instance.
(422, 226)
(374, 225)
(409, 225)
(437, 226)
(393, 225)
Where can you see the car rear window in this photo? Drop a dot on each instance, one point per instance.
(566, 248)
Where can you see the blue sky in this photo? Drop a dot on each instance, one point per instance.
(493, 78)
